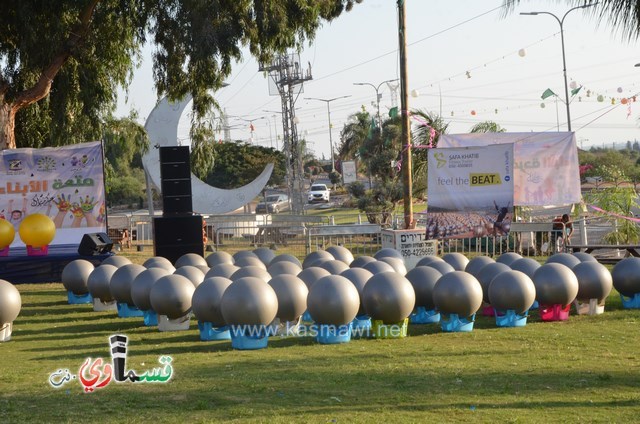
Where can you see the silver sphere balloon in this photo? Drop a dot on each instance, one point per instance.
(477, 263)
(526, 265)
(512, 290)
(333, 300)
(206, 303)
(121, 280)
(626, 276)
(341, 253)
(288, 258)
(389, 297)
(292, 296)
(508, 258)
(10, 302)
(334, 266)
(243, 261)
(378, 266)
(98, 282)
(584, 257)
(457, 260)
(429, 259)
(203, 268)
(159, 262)
(191, 259)
(594, 281)
(397, 264)
(555, 284)
(193, 273)
(249, 301)
(251, 271)
(566, 259)
(284, 267)
(218, 258)
(75, 275)
(141, 286)
(487, 274)
(441, 266)
(312, 274)
(424, 279)
(171, 296)
(116, 261)
(265, 254)
(387, 252)
(313, 257)
(359, 277)
(361, 261)
(459, 293)
(225, 270)
(244, 254)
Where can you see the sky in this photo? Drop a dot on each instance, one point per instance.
(466, 61)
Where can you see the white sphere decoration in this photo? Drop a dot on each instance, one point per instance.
(542, 105)
(522, 52)
(415, 93)
(619, 90)
(573, 85)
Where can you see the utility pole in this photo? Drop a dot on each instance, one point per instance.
(286, 73)
(406, 128)
(327, 101)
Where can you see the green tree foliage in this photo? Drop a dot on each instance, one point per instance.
(487, 127)
(70, 56)
(125, 142)
(423, 135)
(238, 164)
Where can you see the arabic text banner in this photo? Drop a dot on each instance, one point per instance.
(65, 183)
(470, 191)
(546, 170)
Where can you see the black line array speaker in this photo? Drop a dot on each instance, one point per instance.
(95, 244)
(175, 180)
(177, 235)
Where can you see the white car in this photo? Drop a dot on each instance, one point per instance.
(319, 193)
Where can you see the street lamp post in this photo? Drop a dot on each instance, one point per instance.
(564, 61)
(327, 101)
(377, 88)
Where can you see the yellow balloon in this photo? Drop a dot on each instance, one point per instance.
(7, 233)
(37, 230)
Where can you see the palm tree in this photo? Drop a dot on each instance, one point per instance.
(353, 134)
(487, 127)
(426, 132)
(623, 15)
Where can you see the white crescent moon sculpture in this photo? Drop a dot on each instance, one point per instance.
(162, 127)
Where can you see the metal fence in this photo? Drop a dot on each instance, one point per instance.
(301, 234)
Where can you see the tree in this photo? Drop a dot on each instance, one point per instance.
(61, 62)
(427, 130)
(487, 127)
(354, 133)
(623, 15)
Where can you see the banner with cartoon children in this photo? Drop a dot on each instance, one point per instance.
(470, 191)
(65, 183)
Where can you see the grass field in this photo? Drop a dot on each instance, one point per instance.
(584, 370)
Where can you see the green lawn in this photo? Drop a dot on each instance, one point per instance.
(582, 370)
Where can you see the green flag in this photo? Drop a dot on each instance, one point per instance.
(393, 112)
(548, 93)
(575, 91)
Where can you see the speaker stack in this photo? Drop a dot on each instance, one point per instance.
(95, 244)
(178, 231)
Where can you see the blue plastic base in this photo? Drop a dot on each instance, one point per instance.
(333, 334)
(306, 317)
(421, 315)
(79, 299)
(249, 337)
(150, 318)
(535, 305)
(631, 302)
(509, 318)
(208, 332)
(451, 323)
(128, 311)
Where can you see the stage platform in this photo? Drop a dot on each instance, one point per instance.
(18, 268)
